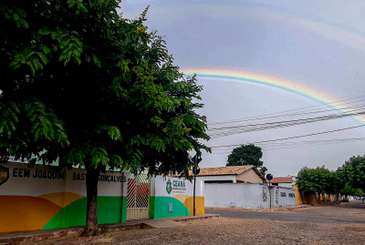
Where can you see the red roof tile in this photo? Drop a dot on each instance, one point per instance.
(282, 180)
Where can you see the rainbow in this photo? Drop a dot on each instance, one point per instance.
(267, 80)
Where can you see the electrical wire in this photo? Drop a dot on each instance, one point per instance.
(286, 145)
(291, 137)
(303, 109)
(238, 129)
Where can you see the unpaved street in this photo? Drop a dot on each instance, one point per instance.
(354, 209)
(344, 213)
(243, 230)
(235, 231)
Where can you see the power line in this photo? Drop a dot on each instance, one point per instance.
(227, 131)
(287, 145)
(292, 137)
(297, 114)
(294, 120)
(284, 113)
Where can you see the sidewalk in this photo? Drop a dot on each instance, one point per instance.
(40, 235)
(273, 209)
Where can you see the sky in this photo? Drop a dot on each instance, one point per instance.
(315, 47)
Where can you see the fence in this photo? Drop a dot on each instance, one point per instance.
(138, 199)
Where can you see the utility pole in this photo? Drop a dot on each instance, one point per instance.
(196, 159)
(196, 171)
(269, 178)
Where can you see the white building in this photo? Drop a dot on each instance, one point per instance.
(231, 174)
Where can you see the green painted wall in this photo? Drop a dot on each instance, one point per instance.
(159, 208)
(124, 210)
(109, 211)
(152, 207)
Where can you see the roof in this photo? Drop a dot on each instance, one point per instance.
(221, 171)
(282, 180)
(231, 170)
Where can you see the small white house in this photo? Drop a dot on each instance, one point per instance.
(283, 182)
(231, 174)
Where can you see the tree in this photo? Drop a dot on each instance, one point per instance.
(352, 172)
(247, 155)
(316, 180)
(89, 87)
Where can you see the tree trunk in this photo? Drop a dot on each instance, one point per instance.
(92, 195)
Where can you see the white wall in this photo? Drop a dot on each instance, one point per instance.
(282, 197)
(41, 180)
(247, 195)
(158, 187)
(240, 195)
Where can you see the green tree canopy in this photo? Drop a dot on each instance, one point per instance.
(352, 173)
(316, 180)
(90, 87)
(247, 155)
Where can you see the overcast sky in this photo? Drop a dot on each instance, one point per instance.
(319, 44)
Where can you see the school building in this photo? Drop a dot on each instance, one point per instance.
(46, 197)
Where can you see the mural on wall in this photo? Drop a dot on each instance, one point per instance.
(264, 194)
(168, 186)
(46, 197)
(4, 174)
(277, 196)
(176, 198)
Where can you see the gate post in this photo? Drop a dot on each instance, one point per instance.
(124, 196)
(152, 197)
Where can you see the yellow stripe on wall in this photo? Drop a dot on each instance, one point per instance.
(21, 213)
(199, 205)
(62, 199)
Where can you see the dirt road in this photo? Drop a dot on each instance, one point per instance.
(315, 229)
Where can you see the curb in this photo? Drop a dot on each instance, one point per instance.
(190, 218)
(66, 232)
(277, 209)
(28, 237)
(40, 237)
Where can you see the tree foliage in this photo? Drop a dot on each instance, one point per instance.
(349, 179)
(247, 155)
(353, 172)
(315, 180)
(87, 86)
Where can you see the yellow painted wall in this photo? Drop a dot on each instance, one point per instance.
(23, 213)
(298, 195)
(199, 205)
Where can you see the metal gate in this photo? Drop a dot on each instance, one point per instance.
(138, 198)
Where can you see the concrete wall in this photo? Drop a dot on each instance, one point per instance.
(240, 195)
(173, 197)
(298, 195)
(46, 197)
(246, 195)
(282, 197)
(249, 176)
